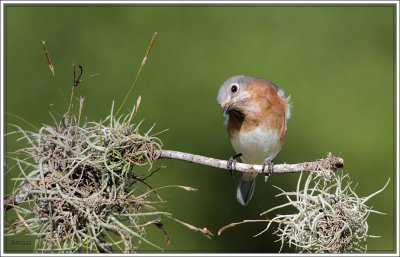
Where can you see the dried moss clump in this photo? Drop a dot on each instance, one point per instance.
(329, 217)
(80, 187)
(325, 216)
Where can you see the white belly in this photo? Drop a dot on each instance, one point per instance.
(256, 145)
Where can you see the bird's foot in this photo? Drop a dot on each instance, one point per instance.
(231, 166)
(270, 168)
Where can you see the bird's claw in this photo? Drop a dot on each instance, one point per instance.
(270, 169)
(231, 165)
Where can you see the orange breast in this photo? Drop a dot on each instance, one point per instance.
(270, 114)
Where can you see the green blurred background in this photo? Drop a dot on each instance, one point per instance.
(336, 62)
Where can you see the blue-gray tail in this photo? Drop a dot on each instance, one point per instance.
(245, 188)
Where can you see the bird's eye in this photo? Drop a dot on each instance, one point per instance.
(234, 88)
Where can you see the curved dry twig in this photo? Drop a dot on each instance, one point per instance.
(330, 163)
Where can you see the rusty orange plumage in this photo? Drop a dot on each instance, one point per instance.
(257, 112)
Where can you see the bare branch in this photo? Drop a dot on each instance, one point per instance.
(330, 163)
(19, 197)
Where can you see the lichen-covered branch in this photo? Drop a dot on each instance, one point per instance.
(330, 163)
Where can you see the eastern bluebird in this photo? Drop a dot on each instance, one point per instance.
(257, 112)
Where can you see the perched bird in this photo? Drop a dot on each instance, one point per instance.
(257, 112)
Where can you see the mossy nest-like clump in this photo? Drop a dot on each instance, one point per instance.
(329, 218)
(80, 190)
(324, 215)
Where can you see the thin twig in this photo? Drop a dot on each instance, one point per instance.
(330, 163)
